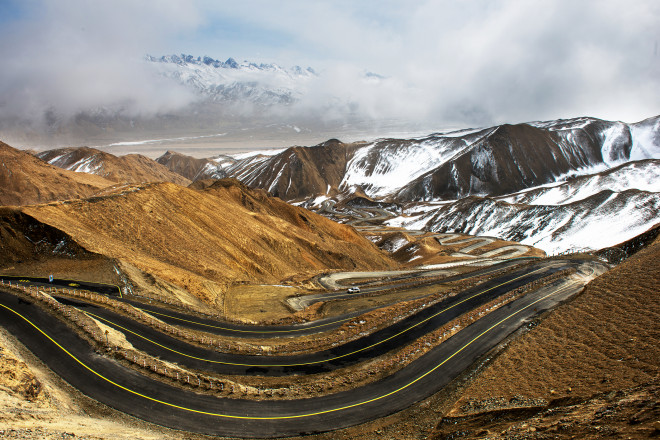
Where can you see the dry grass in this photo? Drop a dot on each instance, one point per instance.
(258, 303)
(24, 179)
(606, 339)
(201, 241)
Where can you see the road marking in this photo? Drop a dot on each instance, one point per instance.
(244, 331)
(77, 281)
(322, 360)
(296, 416)
(307, 328)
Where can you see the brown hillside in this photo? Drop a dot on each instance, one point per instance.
(190, 167)
(131, 168)
(204, 240)
(299, 172)
(605, 341)
(24, 238)
(24, 180)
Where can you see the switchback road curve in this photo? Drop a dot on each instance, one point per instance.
(398, 334)
(188, 320)
(126, 390)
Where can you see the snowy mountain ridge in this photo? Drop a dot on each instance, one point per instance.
(264, 84)
(491, 161)
(558, 185)
(583, 183)
(189, 60)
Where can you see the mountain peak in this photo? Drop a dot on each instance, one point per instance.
(231, 63)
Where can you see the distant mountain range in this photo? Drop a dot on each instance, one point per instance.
(444, 166)
(232, 82)
(186, 94)
(560, 185)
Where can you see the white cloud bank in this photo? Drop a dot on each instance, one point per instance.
(443, 62)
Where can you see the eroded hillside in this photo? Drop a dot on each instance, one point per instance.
(202, 241)
(24, 180)
(131, 168)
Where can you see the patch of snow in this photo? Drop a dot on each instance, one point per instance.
(644, 176)
(276, 180)
(581, 171)
(396, 244)
(250, 154)
(54, 160)
(646, 139)
(318, 201)
(411, 223)
(382, 168)
(613, 140)
(86, 165)
(562, 124)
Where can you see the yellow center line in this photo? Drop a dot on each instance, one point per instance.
(244, 331)
(322, 360)
(78, 281)
(318, 326)
(296, 416)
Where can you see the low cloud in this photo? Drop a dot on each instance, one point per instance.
(439, 63)
(72, 56)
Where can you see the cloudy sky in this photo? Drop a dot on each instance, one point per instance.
(470, 62)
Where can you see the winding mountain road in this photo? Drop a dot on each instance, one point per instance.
(126, 390)
(394, 336)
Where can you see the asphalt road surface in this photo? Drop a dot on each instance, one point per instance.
(126, 390)
(168, 348)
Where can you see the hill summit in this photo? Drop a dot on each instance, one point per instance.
(202, 241)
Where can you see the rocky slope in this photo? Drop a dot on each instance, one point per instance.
(131, 168)
(559, 185)
(588, 370)
(24, 179)
(203, 240)
(190, 167)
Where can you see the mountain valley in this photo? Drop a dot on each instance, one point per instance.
(486, 181)
(511, 271)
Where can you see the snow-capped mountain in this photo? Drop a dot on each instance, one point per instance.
(575, 184)
(231, 81)
(131, 168)
(587, 212)
(444, 166)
